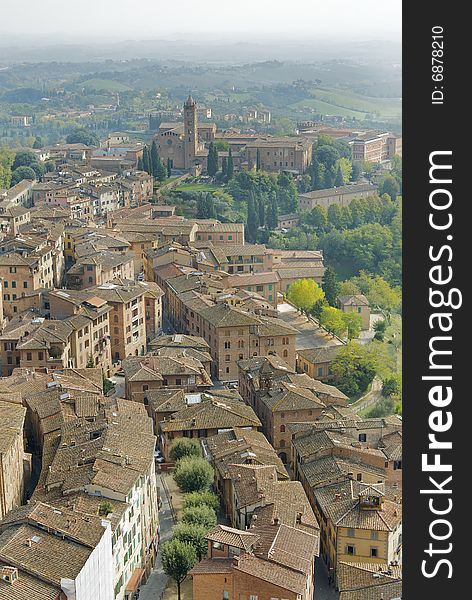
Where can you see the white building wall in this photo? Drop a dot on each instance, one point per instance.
(95, 580)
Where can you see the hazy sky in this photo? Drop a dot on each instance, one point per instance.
(134, 19)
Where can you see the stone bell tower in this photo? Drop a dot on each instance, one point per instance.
(190, 132)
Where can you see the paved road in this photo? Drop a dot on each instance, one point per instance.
(309, 335)
(156, 584)
(322, 590)
(370, 398)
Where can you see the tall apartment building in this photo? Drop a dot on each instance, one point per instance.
(46, 553)
(107, 467)
(25, 273)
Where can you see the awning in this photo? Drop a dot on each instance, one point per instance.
(135, 580)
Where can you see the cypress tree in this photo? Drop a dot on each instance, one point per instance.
(272, 213)
(330, 285)
(261, 209)
(328, 179)
(339, 181)
(212, 162)
(230, 166)
(140, 164)
(258, 160)
(147, 161)
(169, 168)
(155, 160)
(224, 166)
(161, 171)
(252, 218)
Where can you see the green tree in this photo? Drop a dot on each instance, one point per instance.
(261, 211)
(202, 498)
(193, 474)
(379, 293)
(177, 559)
(140, 165)
(343, 165)
(353, 369)
(330, 285)
(224, 167)
(90, 362)
(328, 179)
(390, 186)
(26, 158)
(147, 161)
(230, 166)
(252, 218)
(353, 324)
(199, 515)
(161, 173)
(380, 328)
(37, 144)
(194, 535)
(356, 172)
(258, 160)
(332, 320)
(7, 157)
(392, 385)
(304, 293)
(82, 136)
(272, 212)
(154, 157)
(212, 161)
(327, 155)
(22, 173)
(184, 447)
(338, 180)
(169, 168)
(318, 307)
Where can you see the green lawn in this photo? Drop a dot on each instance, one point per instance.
(350, 104)
(197, 187)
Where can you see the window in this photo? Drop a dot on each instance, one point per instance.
(227, 358)
(230, 237)
(351, 550)
(25, 284)
(253, 597)
(282, 428)
(374, 552)
(13, 284)
(178, 381)
(145, 387)
(374, 535)
(320, 371)
(29, 356)
(285, 353)
(225, 595)
(351, 533)
(359, 309)
(363, 437)
(40, 356)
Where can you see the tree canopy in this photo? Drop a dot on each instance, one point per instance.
(193, 474)
(184, 447)
(177, 557)
(304, 293)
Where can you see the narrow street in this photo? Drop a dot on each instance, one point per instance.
(156, 584)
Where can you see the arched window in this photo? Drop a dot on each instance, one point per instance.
(285, 353)
(282, 443)
(282, 428)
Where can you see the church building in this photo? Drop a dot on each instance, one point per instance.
(183, 144)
